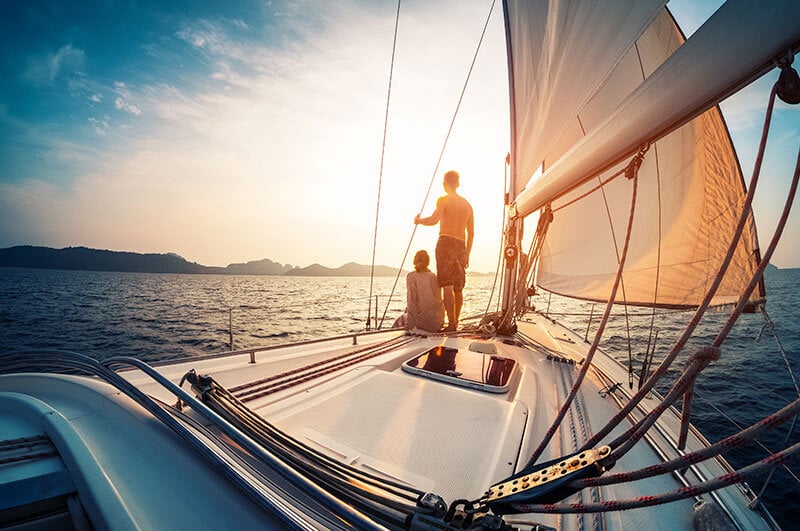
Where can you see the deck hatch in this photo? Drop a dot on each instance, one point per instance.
(487, 372)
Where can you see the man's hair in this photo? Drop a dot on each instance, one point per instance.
(451, 178)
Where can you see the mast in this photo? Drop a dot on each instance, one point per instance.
(513, 235)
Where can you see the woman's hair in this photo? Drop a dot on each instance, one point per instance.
(421, 261)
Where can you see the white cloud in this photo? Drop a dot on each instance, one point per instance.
(227, 74)
(123, 101)
(45, 69)
(211, 38)
(100, 125)
(97, 98)
(123, 105)
(745, 109)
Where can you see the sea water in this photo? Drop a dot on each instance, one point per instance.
(168, 316)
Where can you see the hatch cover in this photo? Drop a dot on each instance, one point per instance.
(487, 372)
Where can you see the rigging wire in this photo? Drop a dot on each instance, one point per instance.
(380, 172)
(439, 160)
(768, 324)
(690, 491)
(622, 284)
(728, 443)
(658, 260)
(527, 265)
(761, 445)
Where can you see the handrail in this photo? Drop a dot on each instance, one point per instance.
(253, 351)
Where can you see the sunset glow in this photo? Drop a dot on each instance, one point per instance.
(227, 134)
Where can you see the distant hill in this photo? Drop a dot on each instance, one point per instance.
(83, 258)
(86, 259)
(258, 267)
(348, 270)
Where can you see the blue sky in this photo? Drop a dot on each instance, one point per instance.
(235, 131)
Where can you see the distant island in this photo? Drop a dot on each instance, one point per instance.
(85, 259)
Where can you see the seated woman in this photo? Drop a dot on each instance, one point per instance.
(424, 308)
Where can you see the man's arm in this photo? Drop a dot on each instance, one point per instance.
(434, 218)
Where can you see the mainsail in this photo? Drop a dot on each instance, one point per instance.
(691, 190)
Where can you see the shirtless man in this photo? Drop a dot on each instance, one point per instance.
(456, 229)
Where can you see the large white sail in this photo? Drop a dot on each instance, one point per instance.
(691, 187)
(545, 38)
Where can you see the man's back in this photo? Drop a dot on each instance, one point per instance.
(456, 217)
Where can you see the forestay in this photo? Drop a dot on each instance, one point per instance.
(691, 190)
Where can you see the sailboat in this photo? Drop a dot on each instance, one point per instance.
(512, 422)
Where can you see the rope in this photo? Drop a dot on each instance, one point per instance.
(695, 320)
(686, 416)
(687, 379)
(682, 493)
(380, 173)
(589, 192)
(528, 265)
(755, 280)
(769, 325)
(723, 334)
(696, 363)
(733, 441)
(757, 442)
(622, 281)
(758, 275)
(439, 160)
(648, 356)
(315, 463)
(590, 354)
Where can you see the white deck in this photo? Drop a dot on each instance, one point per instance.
(435, 436)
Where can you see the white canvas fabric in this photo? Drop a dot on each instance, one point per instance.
(684, 219)
(546, 39)
(691, 189)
